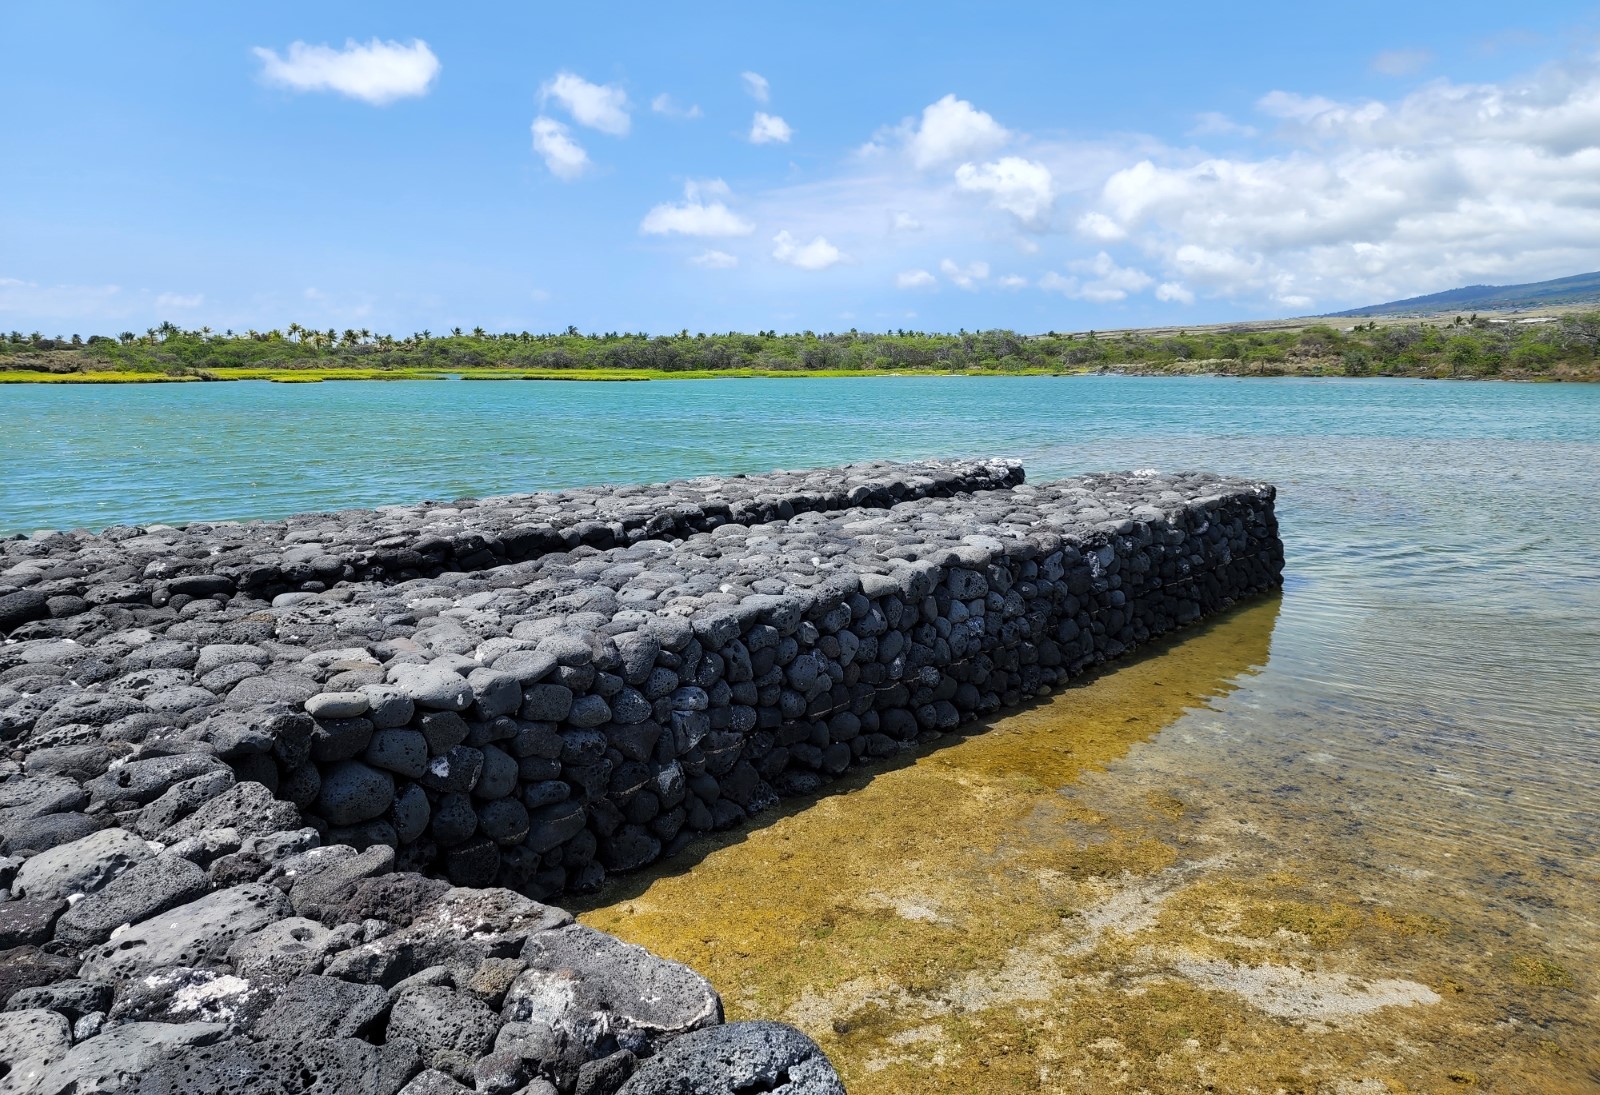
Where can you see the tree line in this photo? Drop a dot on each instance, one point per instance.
(1465, 346)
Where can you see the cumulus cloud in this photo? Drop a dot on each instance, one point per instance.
(966, 277)
(1452, 184)
(1023, 188)
(903, 221)
(950, 130)
(665, 104)
(1174, 293)
(565, 157)
(1013, 281)
(701, 213)
(1098, 280)
(756, 86)
(377, 72)
(914, 279)
(715, 260)
(180, 300)
(598, 106)
(819, 254)
(767, 128)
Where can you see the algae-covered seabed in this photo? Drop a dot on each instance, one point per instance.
(1096, 894)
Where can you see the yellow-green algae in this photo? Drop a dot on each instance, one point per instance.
(1001, 913)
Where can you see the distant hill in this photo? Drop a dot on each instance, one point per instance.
(1579, 289)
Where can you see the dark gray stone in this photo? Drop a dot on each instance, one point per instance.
(81, 867)
(188, 935)
(29, 923)
(736, 1059)
(591, 988)
(143, 890)
(313, 1007)
(432, 686)
(249, 809)
(353, 792)
(404, 752)
(441, 1019)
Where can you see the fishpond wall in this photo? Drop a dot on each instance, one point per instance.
(290, 796)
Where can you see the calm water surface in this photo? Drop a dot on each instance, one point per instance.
(1344, 841)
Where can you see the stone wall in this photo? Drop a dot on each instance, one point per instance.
(310, 835)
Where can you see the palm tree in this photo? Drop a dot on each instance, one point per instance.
(477, 332)
(456, 331)
(296, 331)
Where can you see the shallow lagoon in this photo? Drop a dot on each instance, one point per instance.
(1342, 841)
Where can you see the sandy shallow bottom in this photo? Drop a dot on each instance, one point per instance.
(1108, 891)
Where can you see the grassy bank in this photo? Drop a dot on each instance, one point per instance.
(1564, 348)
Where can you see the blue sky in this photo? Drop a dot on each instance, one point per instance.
(735, 166)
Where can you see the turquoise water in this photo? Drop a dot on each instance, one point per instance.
(1424, 724)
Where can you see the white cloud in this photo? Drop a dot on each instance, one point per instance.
(565, 157)
(598, 106)
(1173, 292)
(1102, 281)
(756, 86)
(665, 104)
(1013, 281)
(715, 260)
(953, 129)
(769, 127)
(1098, 226)
(905, 222)
(378, 72)
(695, 216)
(819, 254)
(914, 279)
(1449, 185)
(180, 300)
(1023, 188)
(968, 276)
(1401, 62)
(539, 295)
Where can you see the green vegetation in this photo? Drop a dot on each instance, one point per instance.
(1567, 348)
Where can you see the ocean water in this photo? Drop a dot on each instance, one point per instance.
(1344, 840)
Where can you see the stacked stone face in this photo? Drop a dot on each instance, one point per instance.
(299, 808)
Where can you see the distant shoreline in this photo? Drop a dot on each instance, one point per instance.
(309, 376)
